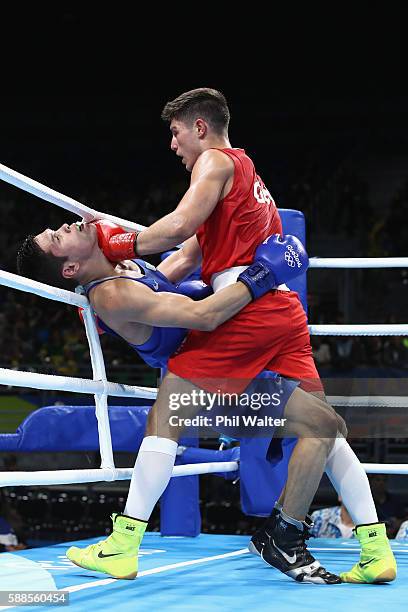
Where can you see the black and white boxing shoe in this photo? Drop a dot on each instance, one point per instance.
(262, 535)
(286, 551)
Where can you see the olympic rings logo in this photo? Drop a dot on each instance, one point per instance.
(291, 257)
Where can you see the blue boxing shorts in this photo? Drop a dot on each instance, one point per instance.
(258, 412)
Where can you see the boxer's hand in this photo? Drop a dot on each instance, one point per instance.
(277, 260)
(285, 256)
(195, 289)
(115, 243)
(105, 231)
(81, 316)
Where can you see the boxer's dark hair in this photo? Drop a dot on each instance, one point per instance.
(209, 104)
(38, 265)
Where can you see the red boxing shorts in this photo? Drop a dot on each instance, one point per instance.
(269, 334)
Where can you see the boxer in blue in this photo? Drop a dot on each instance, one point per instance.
(139, 312)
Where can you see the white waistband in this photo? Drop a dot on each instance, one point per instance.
(219, 280)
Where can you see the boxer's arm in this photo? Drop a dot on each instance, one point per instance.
(121, 303)
(210, 174)
(182, 262)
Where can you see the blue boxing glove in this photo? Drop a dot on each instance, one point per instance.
(285, 256)
(277, 260)
(195, 289)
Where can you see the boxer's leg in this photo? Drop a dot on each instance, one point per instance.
(261, 536)
(117, 555)
(348, 477)
(312, 421)
(157, 453)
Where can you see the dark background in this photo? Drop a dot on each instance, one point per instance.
(318, 100)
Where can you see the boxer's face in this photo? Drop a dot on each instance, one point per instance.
(75, 241)
(186, 141)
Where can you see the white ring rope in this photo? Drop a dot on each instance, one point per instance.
(369, 401)
(14, 281)
(386, 468)
(382, 329)
(358, 262)
(50, 195)
(57, 477)
(33, 380)
(101, 388)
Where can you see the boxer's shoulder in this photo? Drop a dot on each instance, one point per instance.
(115, 293)
(214, 160)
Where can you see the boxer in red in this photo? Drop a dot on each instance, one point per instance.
(222, 217)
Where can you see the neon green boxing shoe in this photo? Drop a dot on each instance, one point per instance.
(118, 554)
(377, 561)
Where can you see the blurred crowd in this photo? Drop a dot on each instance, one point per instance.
(344, 353)
(39, 336)
(340, 204)
(389, 233)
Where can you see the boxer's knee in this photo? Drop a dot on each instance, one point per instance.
(341, 424)
(324, 424)
(309, 417)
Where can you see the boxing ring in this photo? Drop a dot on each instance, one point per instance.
(222, 561)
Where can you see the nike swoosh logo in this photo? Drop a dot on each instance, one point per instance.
(291, 559)
(366, 563)
(102, 556)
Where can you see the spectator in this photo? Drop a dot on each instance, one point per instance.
(395, 352)
(402, 533)
(321, 351)
(389, 508)
(332, 522)
(346, 351)
(8, 539)
(10, 520)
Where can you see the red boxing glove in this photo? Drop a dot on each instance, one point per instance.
(115, 243)
(105, 231)
(81, 316)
